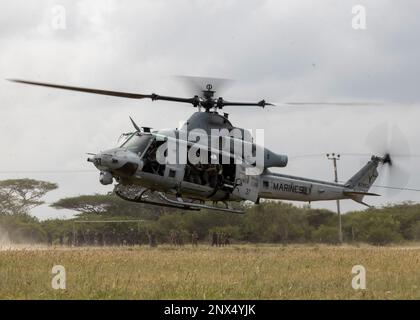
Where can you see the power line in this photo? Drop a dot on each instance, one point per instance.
(396, 188)
(391, 187)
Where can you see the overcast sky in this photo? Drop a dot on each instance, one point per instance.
(277, 50)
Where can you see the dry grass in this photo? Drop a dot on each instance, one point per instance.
(236, 272)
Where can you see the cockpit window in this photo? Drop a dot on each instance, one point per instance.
(137, 143)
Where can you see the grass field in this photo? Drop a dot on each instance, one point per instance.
(235, 272)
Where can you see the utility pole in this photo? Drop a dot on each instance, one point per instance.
(334, 157)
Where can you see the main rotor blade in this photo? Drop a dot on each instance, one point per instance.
(222, 103)
(87, 90)
(360, 103)
(129, 95)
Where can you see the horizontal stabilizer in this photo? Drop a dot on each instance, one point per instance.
(358, 196)
(364, 203)
(359, 193)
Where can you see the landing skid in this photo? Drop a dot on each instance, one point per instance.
(199, 205)
(143, 195)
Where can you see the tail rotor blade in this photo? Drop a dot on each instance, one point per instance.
(378, 140)
(390, 143)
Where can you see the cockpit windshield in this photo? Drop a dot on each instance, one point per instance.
(137, 142)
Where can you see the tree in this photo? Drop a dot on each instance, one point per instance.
(375, 226)
(326, 234)
(381, 235)
(415, 231)
(273, 221)
(318, 217)
(107, 205)
(18, 196)
(86, 204)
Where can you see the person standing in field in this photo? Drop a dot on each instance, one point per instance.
(172, 237)
(152, 239)
(214, 239)
(80, 238)
(227, 239)
(220, 239)
(49, 238)
(69, 238)
(130, 237)
(113, 237)
(88, 237)
(194, 238)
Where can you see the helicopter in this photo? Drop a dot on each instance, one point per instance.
(197, 167)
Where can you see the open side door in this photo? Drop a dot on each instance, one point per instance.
(246, 186)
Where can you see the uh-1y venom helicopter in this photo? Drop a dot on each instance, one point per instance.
(191, 186)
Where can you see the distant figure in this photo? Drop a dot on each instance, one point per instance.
(90, 237)
(87, 237)
(214, 239)
(138, 239)
(179, 239)
(152, 239)
(172, 237)
(227, 239)
(49, 238)
(61, 239)
(113, 237)
(80, 239)
(130, 237)
(123, 238)
(176, 238)
(219, 239)
(100, 239)
(94, 238)
(194, 238)
(69, 238)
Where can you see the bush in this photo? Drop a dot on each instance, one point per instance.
(326, 234)
(415, 231)
(380, 236)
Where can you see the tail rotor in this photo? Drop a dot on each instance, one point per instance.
(390, 144)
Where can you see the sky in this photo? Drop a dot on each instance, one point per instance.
(281, 51)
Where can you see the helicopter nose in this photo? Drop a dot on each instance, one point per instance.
(103, 160)
(117, 161)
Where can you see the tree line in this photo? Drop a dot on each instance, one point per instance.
(268, 222)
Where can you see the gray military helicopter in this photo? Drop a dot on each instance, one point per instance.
(144, 174)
